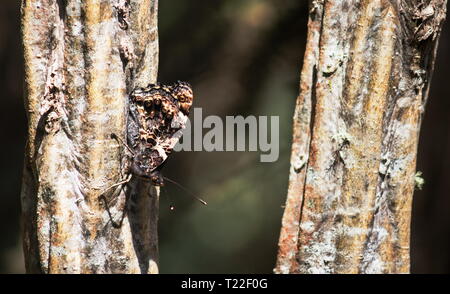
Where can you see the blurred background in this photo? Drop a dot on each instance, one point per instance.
(241, 57)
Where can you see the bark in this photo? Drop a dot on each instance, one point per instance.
(82, 58)
(363, 89)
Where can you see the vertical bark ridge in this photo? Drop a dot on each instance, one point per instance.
(299, 155)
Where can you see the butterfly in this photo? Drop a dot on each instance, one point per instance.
(157, 115)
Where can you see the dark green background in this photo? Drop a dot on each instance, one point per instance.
(242, 57)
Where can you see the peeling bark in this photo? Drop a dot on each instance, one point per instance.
(363, 89)
(82, 58)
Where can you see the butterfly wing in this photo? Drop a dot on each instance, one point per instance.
(157, 115)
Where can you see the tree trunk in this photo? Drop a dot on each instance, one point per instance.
(363, 89)
(82, 58)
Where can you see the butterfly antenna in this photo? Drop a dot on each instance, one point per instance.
(171, 206)
(186, 190)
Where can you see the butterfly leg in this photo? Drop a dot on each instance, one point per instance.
(114, 136)
(107, 203)
(116, 184)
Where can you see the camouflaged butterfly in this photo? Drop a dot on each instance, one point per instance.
(157, 114)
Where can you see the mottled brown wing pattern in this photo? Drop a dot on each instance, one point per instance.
(157, 113)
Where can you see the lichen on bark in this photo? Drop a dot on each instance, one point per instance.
(363, 89)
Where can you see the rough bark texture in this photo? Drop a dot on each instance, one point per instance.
(363, 88)
(82, 58)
